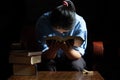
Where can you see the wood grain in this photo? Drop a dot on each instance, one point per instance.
(60, 75)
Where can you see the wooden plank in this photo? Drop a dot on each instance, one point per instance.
(60, 75)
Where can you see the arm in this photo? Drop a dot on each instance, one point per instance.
(51, 52)
(42, 31)
(80, 30)
(70, 52)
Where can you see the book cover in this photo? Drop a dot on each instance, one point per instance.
(19, 56)
(24, 57)
(24, 69)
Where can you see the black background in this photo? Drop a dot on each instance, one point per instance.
(100, 16)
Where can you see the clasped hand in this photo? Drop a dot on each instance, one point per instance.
(65, 45)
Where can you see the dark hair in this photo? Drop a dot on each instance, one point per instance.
(63, 16)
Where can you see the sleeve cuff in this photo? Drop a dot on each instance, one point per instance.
(81, 50)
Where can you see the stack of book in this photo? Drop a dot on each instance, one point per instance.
(24, 62)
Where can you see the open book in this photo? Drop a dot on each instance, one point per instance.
(77, 41)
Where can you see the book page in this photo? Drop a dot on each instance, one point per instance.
(35, 59)
(77, 40)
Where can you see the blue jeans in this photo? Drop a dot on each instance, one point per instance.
(62, 64)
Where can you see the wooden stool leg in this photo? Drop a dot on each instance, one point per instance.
(98, 54)
(98, 48)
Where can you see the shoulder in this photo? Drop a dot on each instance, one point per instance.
(45, 15)
(80, 22)
(43, 19)
(79, 18)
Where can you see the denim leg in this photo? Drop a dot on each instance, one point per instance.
(47, 65)
(65, 64)
(78, 65)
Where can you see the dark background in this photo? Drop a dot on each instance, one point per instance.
(100, 17)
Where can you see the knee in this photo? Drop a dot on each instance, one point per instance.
(78, 65)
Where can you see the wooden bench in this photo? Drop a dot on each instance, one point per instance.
(60, 75)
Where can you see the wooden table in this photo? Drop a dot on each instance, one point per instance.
(60, 75)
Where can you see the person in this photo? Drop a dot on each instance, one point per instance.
(62, 21)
